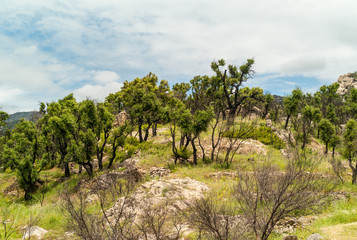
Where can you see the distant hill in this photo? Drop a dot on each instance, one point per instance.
(16, 117)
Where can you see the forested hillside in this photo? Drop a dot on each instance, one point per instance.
(204, 159)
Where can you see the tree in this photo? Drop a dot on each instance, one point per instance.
(63, 122)
(24, 152)
(142, 103)
(350, 148)
(199, 123)
(117, 139)
(102, 131)
(326, 132)
(291, 104)
(231, 83)
(310, 115)
(97, 120)
(268, 102)
(3, 117)
(178, 117)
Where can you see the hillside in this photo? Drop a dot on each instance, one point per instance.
(16, 117)
(208, 159)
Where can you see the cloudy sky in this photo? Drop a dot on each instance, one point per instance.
(49, 49)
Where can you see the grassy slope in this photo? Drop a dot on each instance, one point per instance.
(340, 218)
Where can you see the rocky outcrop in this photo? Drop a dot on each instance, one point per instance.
(159, 172)
(346, 82)
(176, 191)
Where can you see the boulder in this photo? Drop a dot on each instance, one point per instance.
(315, 236)
(34, 232)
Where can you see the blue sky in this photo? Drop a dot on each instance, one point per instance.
(52, 48)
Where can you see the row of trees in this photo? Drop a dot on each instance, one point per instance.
(78, 132)
(328, 116)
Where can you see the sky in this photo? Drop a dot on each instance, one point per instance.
(49, 49)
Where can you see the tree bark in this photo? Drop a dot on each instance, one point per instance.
(140, 133)
(194, 150)
(66, 169)
(287, 121)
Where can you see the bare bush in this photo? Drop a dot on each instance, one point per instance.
(338, 169)
(90, 226)
(8, 224)
(126, 220)
(215, 221)
(268, 195)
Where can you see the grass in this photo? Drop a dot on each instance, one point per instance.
(157, 152)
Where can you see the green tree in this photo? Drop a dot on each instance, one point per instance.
(24, 151)
(141, 100)
(310, 115)
(3, 117)
(102, 131)
(291, 104)
(117, 139)
(350, 147)
(62, 120)
(231, 82)
(268, 103)
(326, 132)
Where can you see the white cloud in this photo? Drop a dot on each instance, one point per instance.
(106, 76)
(96, 92)
(53, 47)
(304, 64)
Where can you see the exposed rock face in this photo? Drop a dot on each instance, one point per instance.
(159, 172)
(157, 192)
(34, 233)
(120, 119)
(346, 82)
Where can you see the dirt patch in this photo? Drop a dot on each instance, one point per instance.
(341, 232)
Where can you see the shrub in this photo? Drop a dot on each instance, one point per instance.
(263, 134)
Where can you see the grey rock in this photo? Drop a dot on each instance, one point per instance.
(34, 232)
(315, 236)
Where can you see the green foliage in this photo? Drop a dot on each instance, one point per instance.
(184, 153)
(3, 117)
(353, 75)
(263, 134)
(326, 131)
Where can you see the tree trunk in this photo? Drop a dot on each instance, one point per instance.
(287, 121)
(147, 133)
(66, 169)
(232, 115)
(114, 154)
(154, 130)
(203, 150)
(194, 150)
(80, 168)
(333, 152)
(173, 144)
(354, 171)
(140, 134)
(89, 168)
(100, 152)
(182, 140)
(326, 150)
